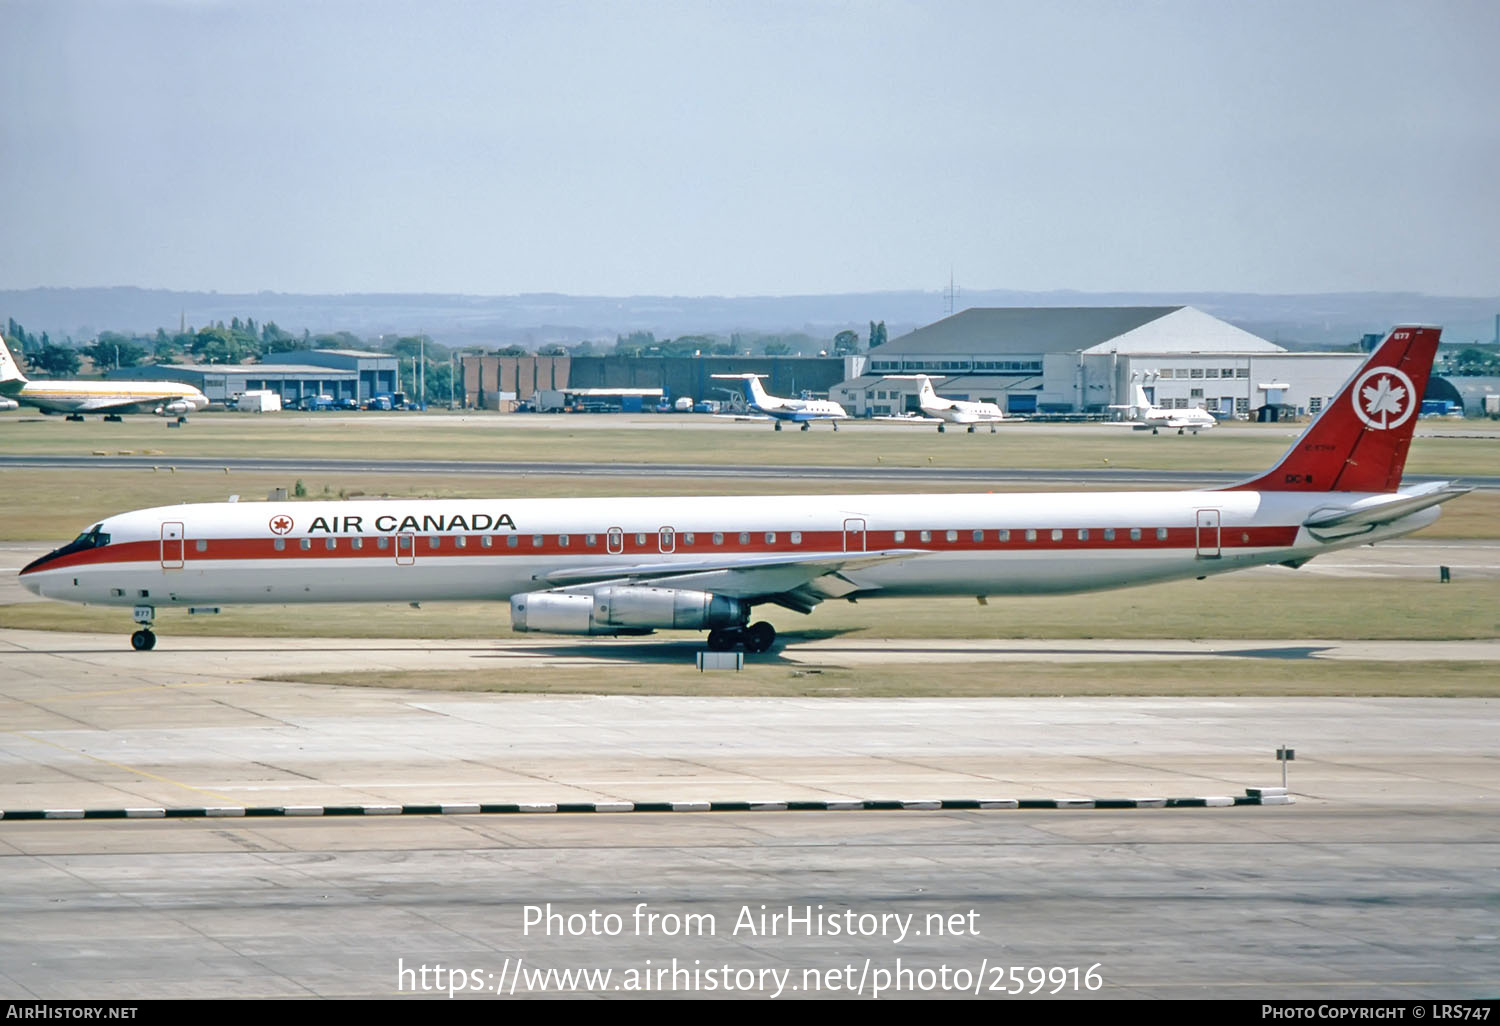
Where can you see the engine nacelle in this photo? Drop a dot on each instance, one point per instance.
(624, 609)
(175, 408)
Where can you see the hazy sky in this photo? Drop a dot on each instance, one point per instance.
(740, 148)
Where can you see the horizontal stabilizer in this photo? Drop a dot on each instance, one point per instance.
(1367, 515)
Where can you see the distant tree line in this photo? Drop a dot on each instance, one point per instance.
(419, 358)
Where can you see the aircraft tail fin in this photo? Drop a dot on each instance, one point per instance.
(1358, 443)
(10, 370)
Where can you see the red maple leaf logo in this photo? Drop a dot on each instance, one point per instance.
(281, 524)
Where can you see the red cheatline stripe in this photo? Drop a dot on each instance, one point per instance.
(264, 549)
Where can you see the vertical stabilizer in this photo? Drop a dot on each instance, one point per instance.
(10, 370)
(1359, 442)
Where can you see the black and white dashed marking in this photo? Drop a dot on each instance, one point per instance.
(1253, 796)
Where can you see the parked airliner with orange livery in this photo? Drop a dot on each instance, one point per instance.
(634, 565)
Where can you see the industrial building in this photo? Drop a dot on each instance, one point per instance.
(498, 382)
(1084, 360)
(340, 373)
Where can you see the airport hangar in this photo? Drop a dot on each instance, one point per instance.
(1083, 360)
(340, 373)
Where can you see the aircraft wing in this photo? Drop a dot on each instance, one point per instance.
(117, 404)
(798, 581)
(1371, 513)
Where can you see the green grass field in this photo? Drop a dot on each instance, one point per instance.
(1234, 447)
(1188, 678)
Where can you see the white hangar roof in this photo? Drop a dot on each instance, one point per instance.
(1183, 331)
(1101, 329)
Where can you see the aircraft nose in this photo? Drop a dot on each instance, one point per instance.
(30, 582)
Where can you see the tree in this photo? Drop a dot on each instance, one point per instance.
(114, 350)
(1475, 362)
(845, 343)
(54, 360)
(217, 345)
(778, 347)
(877, 334)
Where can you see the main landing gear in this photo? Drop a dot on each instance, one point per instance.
(758, 637)
(143, 640)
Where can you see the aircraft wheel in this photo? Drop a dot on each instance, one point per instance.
(971, 429)
(1155, 431)
(759, 637)
(805, 425)
(836, 427)
(778, 425)
(942, 428)
(143, 641)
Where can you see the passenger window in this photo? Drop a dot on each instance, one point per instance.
(1083, 534)
(979, 536)
(640, 540)
(1161, 534)
(536, 541)
(1135, 534)
(1031, 534)
(382, 542)
(952, 536)
(687, 539)
(718, 538)
(330, 544)
(926, 536)
(488, 541)
(744, 537)
(357, 543)
(899, 536)
(434, 541)
(511, 541)
(280, 544)
(1109, 534)
(1057, 534)
(770, 537)
(460, 542)
(591, 540)
(562, 541)
(1002, 535)
(201, 545)
(306, 544)
(796, 537)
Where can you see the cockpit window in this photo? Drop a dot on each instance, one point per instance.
(93, 538)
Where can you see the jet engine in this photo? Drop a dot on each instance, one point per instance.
(623, 609)
(175, 408)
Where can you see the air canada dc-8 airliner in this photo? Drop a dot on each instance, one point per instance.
(634, 565)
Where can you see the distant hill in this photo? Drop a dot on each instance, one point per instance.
(1296, 321)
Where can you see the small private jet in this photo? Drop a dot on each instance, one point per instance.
(953, 411)
(110, 398)
(1144, 414)
(798, 411)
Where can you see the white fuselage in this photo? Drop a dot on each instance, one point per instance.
(109, 396)
(431, 550)
(959, 411)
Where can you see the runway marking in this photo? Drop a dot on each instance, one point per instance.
(120, 766)
(1251, 797)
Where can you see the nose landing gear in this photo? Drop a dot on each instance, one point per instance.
(144, 640)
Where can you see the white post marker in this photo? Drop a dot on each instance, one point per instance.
(1284, 756)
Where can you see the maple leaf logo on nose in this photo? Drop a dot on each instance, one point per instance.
(1383, 399)
(281, 525)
